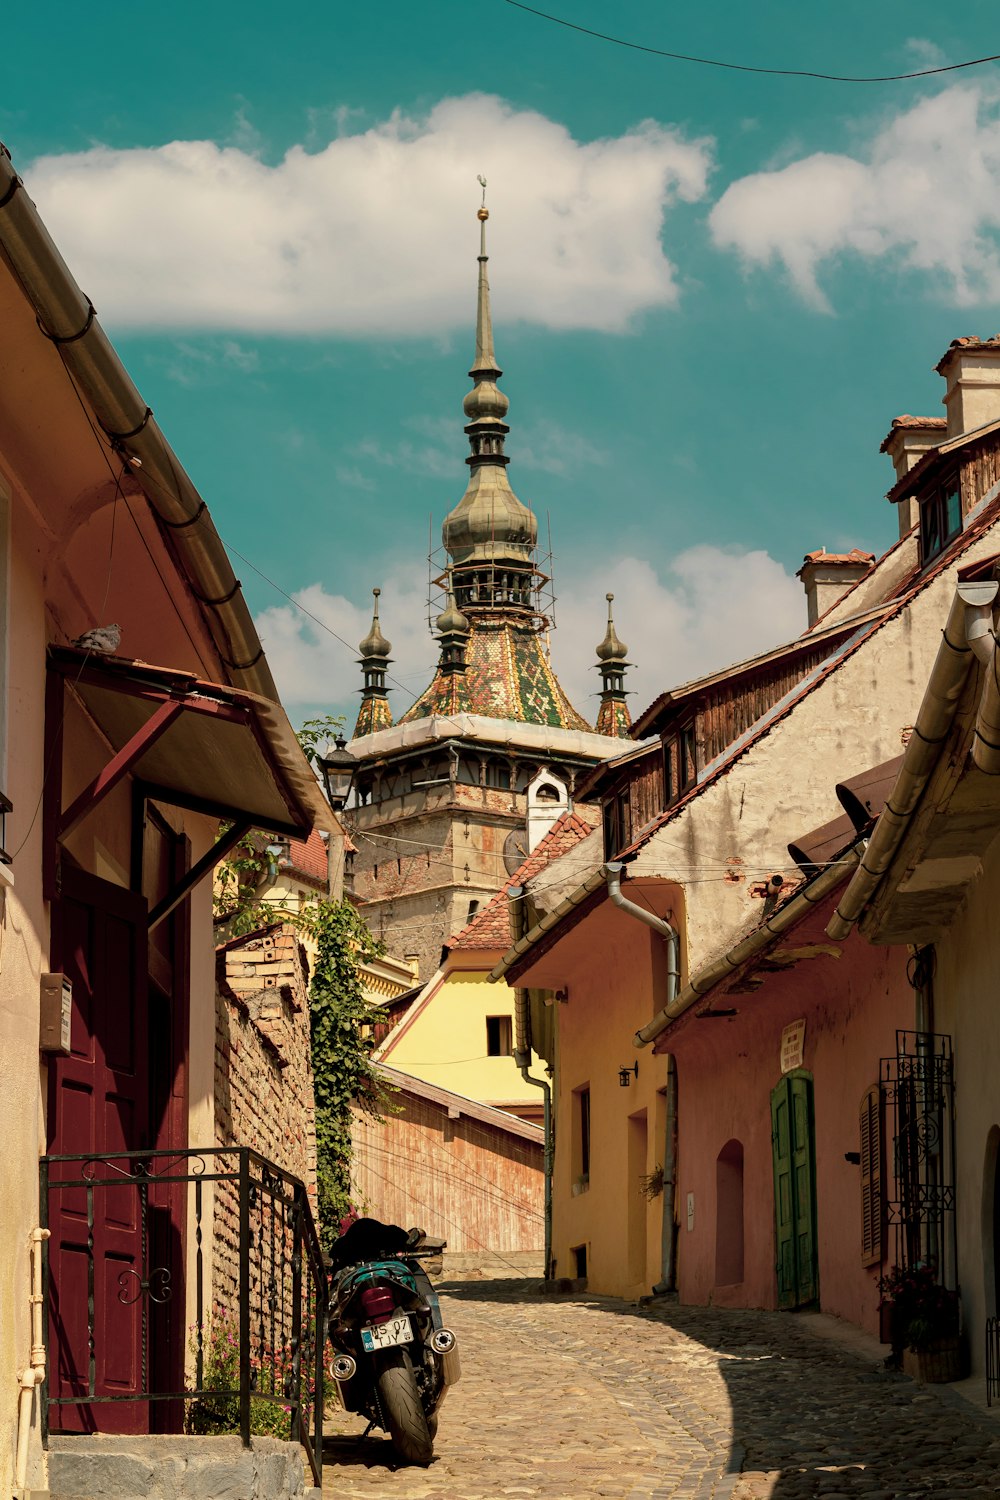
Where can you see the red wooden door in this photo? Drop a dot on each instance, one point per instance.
(99, 1103)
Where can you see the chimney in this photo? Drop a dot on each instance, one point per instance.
(971, 367)
(906, 442)
(826, 577)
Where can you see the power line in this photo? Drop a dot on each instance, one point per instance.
(714, 62)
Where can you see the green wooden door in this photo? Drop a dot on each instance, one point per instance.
(794, 1190)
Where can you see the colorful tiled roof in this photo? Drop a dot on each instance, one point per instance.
(507, 676)
(373, 714)
(490, 928)
(614, 719)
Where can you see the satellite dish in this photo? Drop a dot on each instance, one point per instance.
(515, 849)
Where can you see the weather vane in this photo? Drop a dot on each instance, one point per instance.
(482, 183)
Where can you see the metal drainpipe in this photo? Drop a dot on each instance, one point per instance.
(668, 1267)
(522, 1058)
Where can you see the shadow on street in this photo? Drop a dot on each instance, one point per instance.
(819, 1418)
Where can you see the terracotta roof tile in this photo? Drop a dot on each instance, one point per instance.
(490, 928)
(854, 557)
(921, 424)
(309, 856)
(969, 341)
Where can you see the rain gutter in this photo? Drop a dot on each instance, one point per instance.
(968, 630)
(780, 921)
(66, 316)
(551, 919)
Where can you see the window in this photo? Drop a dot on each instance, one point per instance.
(872, 1199)
(940, 518)
(680, 763)
(617, 822)
(581, 1136)
(499, 1038)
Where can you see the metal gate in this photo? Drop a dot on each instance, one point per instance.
(918, 1089)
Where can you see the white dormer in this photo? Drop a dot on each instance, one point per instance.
(548, 799)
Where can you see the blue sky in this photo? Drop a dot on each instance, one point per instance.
(712, 291)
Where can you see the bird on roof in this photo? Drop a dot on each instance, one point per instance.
(104, 640)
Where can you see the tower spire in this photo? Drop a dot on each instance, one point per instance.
(613, 717)
(485, 362)
(374, 712)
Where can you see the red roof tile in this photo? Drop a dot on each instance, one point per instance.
(490, 928)
(969, 341)
(921, 424)
(853, 557)
(309, 856)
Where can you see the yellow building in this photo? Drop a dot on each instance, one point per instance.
(458, 1033)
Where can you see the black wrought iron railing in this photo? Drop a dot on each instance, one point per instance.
(918, 1094)
(183, 1291)
(992, 1359)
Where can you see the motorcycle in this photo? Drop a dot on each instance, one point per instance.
(391, 1359)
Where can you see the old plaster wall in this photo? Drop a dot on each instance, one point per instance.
(852, 1006)
(23, 957)
(736, 831)
(606, 1214)
(966, 983)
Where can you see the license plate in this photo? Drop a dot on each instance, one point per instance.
(384, 1335)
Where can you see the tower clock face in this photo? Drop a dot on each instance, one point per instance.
(515, 849)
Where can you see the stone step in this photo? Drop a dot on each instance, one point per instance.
(104, 1467)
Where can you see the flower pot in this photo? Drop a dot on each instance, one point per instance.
(936, 1365)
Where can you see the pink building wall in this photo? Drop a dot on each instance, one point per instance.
(727, 1068)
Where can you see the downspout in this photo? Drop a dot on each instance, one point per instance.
(970, 621)
(668, 1259)
(522, 1059)
(33, 1375)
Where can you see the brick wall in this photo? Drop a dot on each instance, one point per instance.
(263, 1072)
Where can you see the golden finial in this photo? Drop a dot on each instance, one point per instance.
(482, 213)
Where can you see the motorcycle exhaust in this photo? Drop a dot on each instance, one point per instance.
(343, 1369)
(445, 1346)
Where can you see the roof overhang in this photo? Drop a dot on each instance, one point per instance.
(547, 740)
(199, 745)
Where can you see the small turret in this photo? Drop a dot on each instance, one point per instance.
(613, 719)
(374, 712)
(453, 634)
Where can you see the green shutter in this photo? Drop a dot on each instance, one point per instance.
(794, 1190)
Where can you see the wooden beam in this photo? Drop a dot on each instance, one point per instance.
(119, 766)
(198, 871)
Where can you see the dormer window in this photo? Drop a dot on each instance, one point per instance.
(940, 518)
(680, 763)
(617, 822)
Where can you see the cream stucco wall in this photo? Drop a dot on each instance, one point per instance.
(966, 985)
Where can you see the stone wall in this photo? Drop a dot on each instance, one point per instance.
(263, 1073)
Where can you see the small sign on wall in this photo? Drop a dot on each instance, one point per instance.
(793, 1041)
(690, 1211)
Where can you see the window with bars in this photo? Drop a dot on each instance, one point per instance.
(872, 1174)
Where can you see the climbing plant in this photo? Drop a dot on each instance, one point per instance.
(342, 1041)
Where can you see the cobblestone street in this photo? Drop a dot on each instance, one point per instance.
(570, 1397)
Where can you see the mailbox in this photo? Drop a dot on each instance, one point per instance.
(56, 1013)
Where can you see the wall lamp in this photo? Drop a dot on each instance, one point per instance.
(625, 1075)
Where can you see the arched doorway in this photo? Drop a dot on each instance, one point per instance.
(729, 1214)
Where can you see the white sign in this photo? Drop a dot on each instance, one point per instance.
(793, 1040)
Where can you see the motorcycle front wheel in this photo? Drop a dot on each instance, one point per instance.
(402, 1408)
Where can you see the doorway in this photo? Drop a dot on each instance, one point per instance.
(116, 1267)
(792, 1135)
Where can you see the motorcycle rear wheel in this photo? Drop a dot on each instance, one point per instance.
(402, 1408)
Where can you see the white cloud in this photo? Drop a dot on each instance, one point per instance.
(924, 194)
(712, 606)
(374, 233)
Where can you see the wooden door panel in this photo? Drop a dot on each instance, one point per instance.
(99, 1102)
(794, 1190)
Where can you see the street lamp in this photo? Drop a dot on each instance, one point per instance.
(338, 769)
